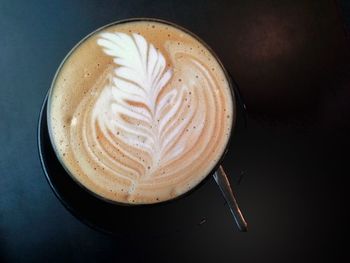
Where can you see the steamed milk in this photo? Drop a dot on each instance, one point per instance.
(140, 112)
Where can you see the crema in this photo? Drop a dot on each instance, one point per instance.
(140, 112)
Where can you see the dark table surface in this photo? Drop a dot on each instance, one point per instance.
(291, 60)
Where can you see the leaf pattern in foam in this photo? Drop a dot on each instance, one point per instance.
(139, 78)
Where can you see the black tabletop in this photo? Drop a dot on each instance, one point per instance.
(288, 167)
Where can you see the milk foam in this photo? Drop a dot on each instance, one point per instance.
(154, 121)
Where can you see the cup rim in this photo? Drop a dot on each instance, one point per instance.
(233, 100)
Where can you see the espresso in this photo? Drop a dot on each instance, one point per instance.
(140, 112)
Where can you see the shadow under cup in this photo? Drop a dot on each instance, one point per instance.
(90, 197)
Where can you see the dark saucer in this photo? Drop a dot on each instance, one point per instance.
(151, 220)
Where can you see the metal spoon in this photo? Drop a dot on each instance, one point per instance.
(226, 190)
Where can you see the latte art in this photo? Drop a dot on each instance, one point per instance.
(148, 120)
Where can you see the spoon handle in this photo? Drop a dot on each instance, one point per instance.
(226, 190)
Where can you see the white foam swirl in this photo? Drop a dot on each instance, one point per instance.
(147, 127)
(130, 106)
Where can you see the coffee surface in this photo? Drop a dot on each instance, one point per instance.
(140, 112)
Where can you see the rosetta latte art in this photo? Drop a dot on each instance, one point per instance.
(141, 122)
(129, 105)
(152, 123)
